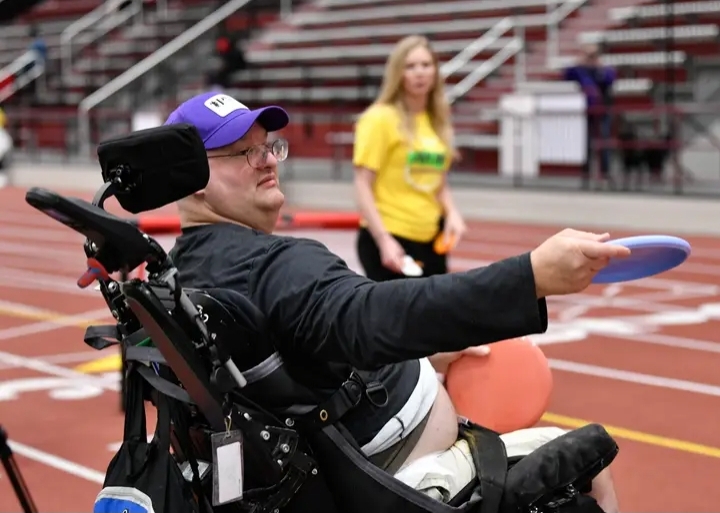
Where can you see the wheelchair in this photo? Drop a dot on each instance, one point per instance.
(207, 352)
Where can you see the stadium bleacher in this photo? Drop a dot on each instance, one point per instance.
(105, 40)
(324, 61)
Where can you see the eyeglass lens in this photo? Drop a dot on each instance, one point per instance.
(257, 156)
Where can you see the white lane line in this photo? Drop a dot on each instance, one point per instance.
(54, 461)
(634, 377)
(43, 367)
(60, 358)
(34, 328)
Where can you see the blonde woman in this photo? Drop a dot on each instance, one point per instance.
(403, 150)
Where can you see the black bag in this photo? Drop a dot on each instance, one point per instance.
(142, 476)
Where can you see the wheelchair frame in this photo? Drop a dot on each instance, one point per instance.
(159, 309)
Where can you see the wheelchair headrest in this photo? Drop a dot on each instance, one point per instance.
(154, 167)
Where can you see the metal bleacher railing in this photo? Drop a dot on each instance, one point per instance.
(513, 47)
(146, 65)
(27, 67)
(557, 11)
(97, 23)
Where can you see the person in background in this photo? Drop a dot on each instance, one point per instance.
(596, 82)
(6, 145)
(228, 46)
(38, 44)
(631, 156)
(403, 150)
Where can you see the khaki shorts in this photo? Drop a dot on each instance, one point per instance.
(443, 475)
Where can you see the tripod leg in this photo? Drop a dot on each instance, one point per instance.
(124, 276)
(13, 472)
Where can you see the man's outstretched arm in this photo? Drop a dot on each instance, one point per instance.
(319, 306)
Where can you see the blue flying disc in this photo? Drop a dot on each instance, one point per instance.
(650, 255)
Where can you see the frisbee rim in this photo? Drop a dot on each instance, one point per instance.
(669, 252)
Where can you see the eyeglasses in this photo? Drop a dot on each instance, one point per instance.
(257, 155)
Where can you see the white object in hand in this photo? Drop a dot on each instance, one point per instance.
(410, 267)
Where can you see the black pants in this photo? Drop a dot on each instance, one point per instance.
(369, 256)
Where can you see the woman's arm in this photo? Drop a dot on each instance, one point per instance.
(364, 181)
(391, 252)
(445, 198)
(454, 224)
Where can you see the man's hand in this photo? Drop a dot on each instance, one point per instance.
(567, 262)
(441, 361)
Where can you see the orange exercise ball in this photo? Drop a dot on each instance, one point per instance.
(505, 391)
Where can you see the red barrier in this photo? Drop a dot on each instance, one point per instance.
(154, 225)
(322, 220)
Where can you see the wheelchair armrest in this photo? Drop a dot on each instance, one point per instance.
(120, 244)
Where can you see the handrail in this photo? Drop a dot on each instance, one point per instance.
(514, 46)
(555, 16)
(88, 20)
(147, 64)
(470, 51)
(23, 79)
(19, 63)
(558, 10)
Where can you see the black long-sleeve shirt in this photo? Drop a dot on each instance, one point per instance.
(320, 308)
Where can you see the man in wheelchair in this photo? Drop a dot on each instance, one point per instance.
(320, 311)
(345, 364)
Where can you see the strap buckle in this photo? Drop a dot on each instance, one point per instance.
(347, 397)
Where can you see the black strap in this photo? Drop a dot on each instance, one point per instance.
(162, 385)
(136, 337)
(144, 354)
(491, 466)
(182, 429)
(135, 428)
(102, 336)
(344, 399)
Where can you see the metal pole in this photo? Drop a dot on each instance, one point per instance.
(551, 34)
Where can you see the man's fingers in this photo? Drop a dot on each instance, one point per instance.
(477, 351)
(600, 237)
(598, 264)
(597, 250)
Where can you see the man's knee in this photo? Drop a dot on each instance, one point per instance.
(525, 441)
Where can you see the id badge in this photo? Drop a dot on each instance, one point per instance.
(227, 451)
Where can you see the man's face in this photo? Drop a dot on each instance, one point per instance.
(238, 190)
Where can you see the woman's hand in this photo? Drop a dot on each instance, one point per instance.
(441, 361)
(454, 228)
(391, 253)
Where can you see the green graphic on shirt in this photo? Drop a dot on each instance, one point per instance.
(426, 159)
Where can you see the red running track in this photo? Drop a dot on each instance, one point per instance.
(642, 358)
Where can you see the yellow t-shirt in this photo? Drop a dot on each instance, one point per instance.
(409, 176)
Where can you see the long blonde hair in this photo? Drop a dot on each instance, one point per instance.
(391, 91)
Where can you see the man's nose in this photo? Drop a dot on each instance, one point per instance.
(271, 161)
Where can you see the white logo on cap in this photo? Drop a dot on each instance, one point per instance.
(222, 105)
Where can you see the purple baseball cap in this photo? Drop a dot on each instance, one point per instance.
(221, 119)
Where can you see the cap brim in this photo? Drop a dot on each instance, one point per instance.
(271, 118)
